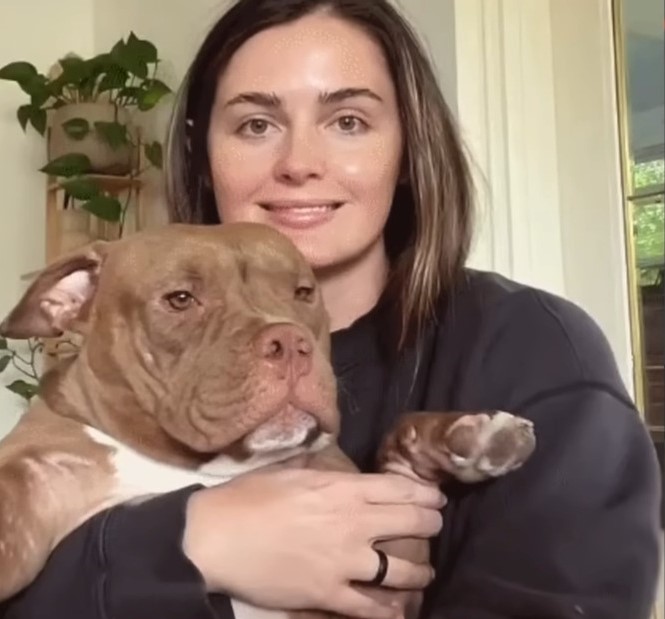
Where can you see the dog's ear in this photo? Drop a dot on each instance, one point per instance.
(59, 298)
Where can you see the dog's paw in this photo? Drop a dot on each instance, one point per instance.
(470, 447)
(488, 445)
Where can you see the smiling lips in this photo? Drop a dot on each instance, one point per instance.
(300, 214)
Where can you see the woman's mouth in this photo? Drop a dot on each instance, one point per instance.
(300, 214)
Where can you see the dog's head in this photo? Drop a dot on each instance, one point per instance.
(214, 335)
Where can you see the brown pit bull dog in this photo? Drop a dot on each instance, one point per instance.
(205, 355)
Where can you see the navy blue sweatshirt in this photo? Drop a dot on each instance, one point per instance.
(574, 534)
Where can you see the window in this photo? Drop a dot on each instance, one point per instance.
(640, 63)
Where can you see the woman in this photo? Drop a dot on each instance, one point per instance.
(323, 119)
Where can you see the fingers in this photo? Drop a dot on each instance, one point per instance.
(353, 602)
(401, 574)
(390, 488)
(393, 521)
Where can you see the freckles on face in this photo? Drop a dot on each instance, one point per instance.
(305, 136)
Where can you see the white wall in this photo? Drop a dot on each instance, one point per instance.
(176, 33)
(39, 32)
(589, 170)
(434, 21)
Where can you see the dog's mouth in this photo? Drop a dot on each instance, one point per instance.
(290, 428)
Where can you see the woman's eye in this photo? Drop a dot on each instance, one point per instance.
(255, 127)
(180, 300)
(351, 124)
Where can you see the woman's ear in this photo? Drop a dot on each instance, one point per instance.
(59, 298)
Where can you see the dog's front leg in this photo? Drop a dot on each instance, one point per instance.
(469, 447)
(43, 498)
(53, 477)
(27, 524)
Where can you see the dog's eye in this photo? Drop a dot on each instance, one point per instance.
(179, 300)
(305, 293)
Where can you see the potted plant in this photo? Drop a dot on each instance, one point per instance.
(87, 104)
(84, 107)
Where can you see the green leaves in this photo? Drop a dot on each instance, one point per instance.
(23, 114)
(20, 72)
(33, 115)
(127, 73)
(73, 164)
(113, 133)
(135, 55)
(115, 78)
(26, 390)
(72, 167)
(104, 207)
(81, 188)
(95, 202)
(6, 355)
(154, 92)
(33, 84)
(38, 88)
(141, 49)
(153, 153)
(74, 70)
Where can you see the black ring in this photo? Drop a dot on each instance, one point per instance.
(383, 568)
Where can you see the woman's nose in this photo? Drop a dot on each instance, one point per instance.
(302, 158)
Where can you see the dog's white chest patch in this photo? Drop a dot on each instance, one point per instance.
(242, 610)
(138, 475)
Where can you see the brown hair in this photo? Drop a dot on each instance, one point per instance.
(428, 232)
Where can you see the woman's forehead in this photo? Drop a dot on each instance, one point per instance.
(317, 53)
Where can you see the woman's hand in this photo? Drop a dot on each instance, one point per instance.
(295, 539)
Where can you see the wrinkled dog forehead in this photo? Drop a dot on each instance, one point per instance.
(256, 244)
(142, 261)
(226, 251)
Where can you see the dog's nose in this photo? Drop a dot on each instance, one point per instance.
(287, 348)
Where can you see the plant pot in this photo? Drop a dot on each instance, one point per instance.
(104, 159)
(74, 228)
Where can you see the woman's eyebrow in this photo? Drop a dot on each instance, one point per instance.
(338, 96)
(263, 99)
(271, 100)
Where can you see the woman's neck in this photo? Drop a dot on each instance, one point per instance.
(352, 290)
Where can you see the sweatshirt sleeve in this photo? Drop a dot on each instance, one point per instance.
(126, 563)
(575, 533)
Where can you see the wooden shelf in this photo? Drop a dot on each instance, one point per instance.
(106, 182)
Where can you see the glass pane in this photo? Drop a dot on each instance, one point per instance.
(643, 37)
(649, 233)
(643, 44)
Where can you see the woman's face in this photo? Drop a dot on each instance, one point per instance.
(305, 136)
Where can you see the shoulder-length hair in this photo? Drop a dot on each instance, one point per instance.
(429, 228)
